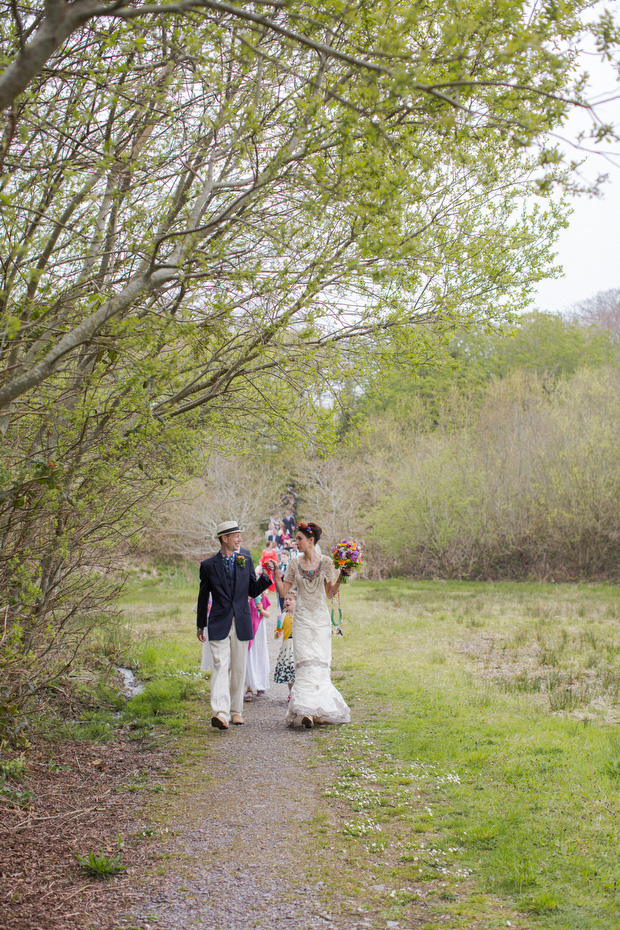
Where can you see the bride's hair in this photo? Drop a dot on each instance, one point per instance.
(310, 530)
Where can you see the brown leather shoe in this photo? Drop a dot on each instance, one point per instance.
(219, 723)
(237, 719)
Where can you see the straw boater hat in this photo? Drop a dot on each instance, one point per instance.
(230, 526)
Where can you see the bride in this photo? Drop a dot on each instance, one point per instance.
(314, 699)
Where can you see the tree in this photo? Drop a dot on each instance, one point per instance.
(207, 144)
(601, 311)
(247, 487)
(199, 198)
(543, 343)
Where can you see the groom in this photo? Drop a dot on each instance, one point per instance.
(229, 578)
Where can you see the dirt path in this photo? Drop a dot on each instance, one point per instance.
(239, 853)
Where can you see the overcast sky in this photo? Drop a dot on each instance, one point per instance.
(589, 250)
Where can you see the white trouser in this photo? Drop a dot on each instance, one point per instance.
(228, 678)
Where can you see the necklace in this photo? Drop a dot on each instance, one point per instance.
(311, 578)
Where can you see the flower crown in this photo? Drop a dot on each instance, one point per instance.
(305, 527)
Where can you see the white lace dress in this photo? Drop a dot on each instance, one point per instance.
(313, 693)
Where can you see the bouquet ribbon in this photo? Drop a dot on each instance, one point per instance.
(337, 624)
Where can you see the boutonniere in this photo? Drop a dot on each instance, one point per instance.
(240, 560)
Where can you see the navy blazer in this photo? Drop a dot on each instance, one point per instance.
(230, 596)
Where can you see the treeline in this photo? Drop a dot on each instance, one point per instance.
(505, 465)
(528, 487)
(500, 460)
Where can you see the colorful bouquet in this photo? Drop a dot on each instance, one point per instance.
(347, 556)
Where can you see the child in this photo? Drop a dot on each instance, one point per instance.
(285, 669)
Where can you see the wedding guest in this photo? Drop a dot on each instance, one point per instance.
(281, 535)
(289, 522)
(284, 672)
(269, 554)
(257, 667)
(284, 558)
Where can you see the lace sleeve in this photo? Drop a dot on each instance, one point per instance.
(289, 574)
(328, 569)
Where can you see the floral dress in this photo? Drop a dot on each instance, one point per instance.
(284, 672)
(313, 694)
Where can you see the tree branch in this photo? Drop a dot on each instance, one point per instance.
(59, 21)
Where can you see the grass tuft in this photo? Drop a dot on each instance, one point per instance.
(102, 865)
(541, 904)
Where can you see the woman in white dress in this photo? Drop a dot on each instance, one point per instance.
(314, 699)
(257, 665)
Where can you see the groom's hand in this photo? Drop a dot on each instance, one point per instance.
(201, 636)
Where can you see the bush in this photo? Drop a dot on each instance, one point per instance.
(530, 489)
(524, 484)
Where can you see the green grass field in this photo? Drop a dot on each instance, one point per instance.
(482, 767)
(478, 784)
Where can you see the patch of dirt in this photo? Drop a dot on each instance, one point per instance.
(81, 794)
(554, 678)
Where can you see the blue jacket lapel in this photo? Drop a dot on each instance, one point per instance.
(223, 575)
(237, 568)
